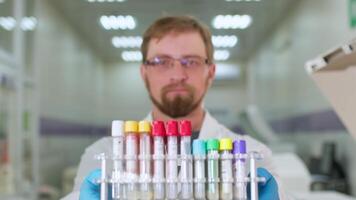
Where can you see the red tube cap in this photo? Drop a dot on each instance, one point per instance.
(185, 128)
(158, 128)
(172, 128)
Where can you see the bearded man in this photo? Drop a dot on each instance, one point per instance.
(178, 69)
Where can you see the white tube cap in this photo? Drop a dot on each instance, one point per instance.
(117, 128)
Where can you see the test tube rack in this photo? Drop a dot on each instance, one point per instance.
(108, 180)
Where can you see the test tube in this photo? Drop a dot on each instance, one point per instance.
(172, 160)
(239, 152)
(103, 183)
(131, 139)
(186, 173)
(118, 137)
(253, 176)
(158, 133)
(199, 153)
(226, 168)
(144, 128)
(212, 146)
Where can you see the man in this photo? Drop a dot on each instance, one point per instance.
(177, 69)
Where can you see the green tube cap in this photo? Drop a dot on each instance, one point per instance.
(212, 144)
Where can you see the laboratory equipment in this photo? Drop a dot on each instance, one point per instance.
(213, 169)
(172, 160)
(131, 153)
(186, 172)
(199, 153)
(226, 169)
(239, 152)
(158, 133)
(144, 128)
(118, 137)
(132, 175)
(334, 73)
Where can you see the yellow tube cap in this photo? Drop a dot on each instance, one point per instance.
(131, 126)
(144, 127)
(225, 144)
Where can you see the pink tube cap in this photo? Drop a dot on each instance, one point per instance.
(172, 128)
(185, 128)
(158, 128)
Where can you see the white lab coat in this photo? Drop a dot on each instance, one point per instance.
(211, 128)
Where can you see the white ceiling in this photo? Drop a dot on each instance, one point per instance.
(84, 17)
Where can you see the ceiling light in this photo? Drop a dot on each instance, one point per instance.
(223, 41)
(118, 22)
(131, 56)
(103, 1)
(7, 23)
(243, 0)
(126, 42)
(227, 71)
(221, 55)
(231, 21)
(28, 23)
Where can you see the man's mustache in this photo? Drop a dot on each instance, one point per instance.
(170, 87)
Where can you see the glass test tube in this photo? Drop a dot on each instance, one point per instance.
(144, 128)
(103, 183)
(172, 160)
(131, 139)
(212, 146)
(158, 133)
(226, 169)
(186, 173)
(239, 151)
(199, 152)
(117, 132)
(253, 176)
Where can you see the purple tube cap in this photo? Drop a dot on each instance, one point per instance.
(239, 147)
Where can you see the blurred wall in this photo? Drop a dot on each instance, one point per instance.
(70, 87)
(70, 73)
(280, 85)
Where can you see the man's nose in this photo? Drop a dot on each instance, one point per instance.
(178, 72)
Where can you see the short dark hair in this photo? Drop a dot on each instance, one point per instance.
(177, 24)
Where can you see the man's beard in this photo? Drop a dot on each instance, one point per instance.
(179, 106)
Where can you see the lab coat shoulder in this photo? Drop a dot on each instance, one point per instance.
(211, 128)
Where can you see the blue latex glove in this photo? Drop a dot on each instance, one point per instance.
(269, 189)
(90, 190)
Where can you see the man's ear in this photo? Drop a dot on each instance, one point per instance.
(211, 73)
(143, 71)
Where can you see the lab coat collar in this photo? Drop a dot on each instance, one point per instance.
(211, 127)
(148, 117)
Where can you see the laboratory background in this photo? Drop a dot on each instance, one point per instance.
(70, 67)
